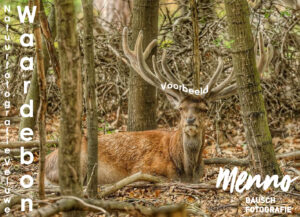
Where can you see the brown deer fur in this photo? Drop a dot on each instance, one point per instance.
(172, 154)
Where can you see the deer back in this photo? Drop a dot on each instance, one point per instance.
(153, 152)
(51, 165)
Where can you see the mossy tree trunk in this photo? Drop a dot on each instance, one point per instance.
(33, 92)
(142, 96)
(262, 155)
(71, 101)
(90, 99)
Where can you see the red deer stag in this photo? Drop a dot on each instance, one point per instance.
(172, 154)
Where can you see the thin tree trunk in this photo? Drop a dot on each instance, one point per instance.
(90, 99)
(71, 101)
(33, 92)
(196, 49)
(142, 96)
(49, 40)
(262, 155)
(43, 99)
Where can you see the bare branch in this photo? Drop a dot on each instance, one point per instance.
(19, 144)
(128, 180)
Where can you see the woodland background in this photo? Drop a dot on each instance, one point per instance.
(225, 138)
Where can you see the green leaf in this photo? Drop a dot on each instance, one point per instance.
(218, 41)
(267, 15)
(285, 13)
(228, 43)
(166, 43)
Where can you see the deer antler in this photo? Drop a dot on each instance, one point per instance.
(264, 58)
(137, 59)
(263, 61)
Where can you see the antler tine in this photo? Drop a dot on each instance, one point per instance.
(216, 74)
(134, 62)
(224, 84)
(149, 48)
(158, 73)
(270, 51)
(261, 43)
(127, 51)
(143, 65)
(264, 58)
(156, 70)
(163, 79)
(261, 58)
(137, 61)
(167, 70)
(142, 68)
(255, 46)
(227, 91)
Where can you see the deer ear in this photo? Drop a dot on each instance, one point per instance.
(174, 101)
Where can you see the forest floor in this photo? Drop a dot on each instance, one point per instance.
(211, 201)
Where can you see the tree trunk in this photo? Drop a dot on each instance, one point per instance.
(142, 96)
(196, 48)
(71, 101)
(43, 98)
(258, 135)
(90, 99)
(33, 92)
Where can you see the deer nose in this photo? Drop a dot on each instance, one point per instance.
(190, 120)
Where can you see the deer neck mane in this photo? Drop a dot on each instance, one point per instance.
(185, 152)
